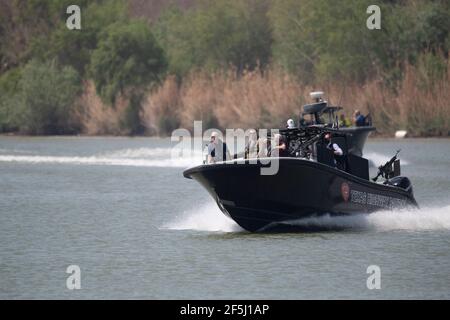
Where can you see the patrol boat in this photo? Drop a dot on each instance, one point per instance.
(306, 184)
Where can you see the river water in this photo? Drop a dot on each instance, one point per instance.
(120, 210)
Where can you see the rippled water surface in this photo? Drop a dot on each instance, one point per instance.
(120, 209)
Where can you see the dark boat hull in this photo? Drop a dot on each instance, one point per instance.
(300, 189)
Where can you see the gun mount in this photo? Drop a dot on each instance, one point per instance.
(390, 169)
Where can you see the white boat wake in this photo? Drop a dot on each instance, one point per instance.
(209, 218)
(141, 157)
(408, 219)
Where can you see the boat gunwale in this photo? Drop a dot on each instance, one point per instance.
(228, 164)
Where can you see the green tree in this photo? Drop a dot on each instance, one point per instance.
(74, 47)
(43, 102)
(216, 34)
(127, 57)
(21, 23)
(9, 86)
(322, 39)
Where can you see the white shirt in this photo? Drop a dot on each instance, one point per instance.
(215, 150)
(337, 150)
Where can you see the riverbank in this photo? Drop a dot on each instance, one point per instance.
(419, 105)
(230, 64)
(254, 99)
(266, 99)
(373, 137)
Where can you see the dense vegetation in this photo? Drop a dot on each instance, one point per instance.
(147, 67)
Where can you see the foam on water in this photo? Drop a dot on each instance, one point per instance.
(141, 157)
(140, 153)
(407, 219)
(207, 217)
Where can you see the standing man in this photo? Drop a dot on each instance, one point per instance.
(359, 119)
(338, 154)
(279, 148)
(344, 122)
(217, 149)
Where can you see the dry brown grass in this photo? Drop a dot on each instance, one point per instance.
(96, 118)
(267, 99)
(160, 110)
(424, 104)
(420, 104)
(224, 100)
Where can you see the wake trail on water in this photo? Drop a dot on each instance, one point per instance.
(432, 218)
(140, 157)
(137, 157)
(207, 217)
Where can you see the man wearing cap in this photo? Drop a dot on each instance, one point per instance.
(279, 148)
(217, 149)
(358, 119)
(338, 154)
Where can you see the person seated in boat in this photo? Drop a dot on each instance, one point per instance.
(344, 122)
(279, 148)
(263, 147)
(217, 149)
(251, 149)
(358, 119)
(290, 124)
(338, 154)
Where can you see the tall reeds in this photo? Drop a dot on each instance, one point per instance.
(267, 99)
(94, 117)
(255, 99)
